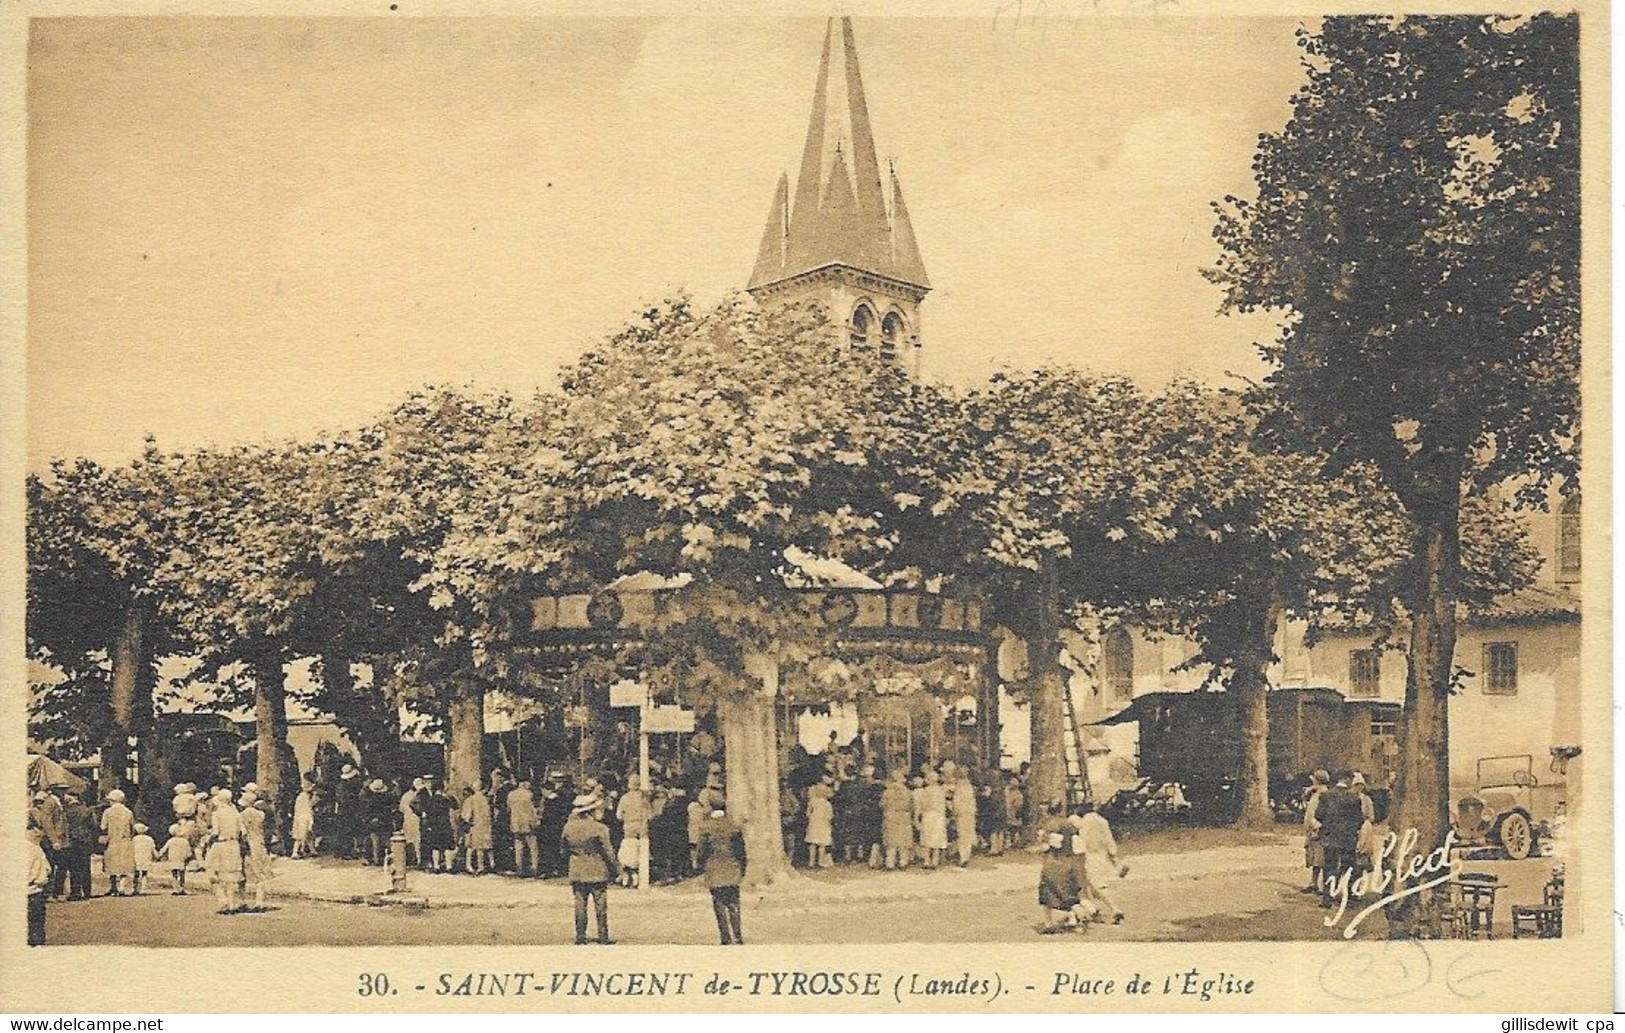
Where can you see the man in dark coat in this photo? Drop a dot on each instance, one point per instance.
(721, 854)
(555, 813)
(1340, 816)
(593, 865)
(84, 832)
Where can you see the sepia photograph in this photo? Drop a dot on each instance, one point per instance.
(1038, 477)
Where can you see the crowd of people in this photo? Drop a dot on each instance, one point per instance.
(1342, 832)
(840, 806)
(843, 807)
(223, 836)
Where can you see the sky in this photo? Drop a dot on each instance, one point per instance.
(243, 229)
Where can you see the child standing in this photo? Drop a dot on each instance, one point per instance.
(633, 812)
(144, 849)
(821, 823)
(698, 809)
(177, 853)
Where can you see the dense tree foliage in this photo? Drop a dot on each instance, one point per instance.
(1417, 221)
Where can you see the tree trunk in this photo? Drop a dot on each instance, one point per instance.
(752, 760)
(1422, 786)
(465, 736)
(127, 661)
(987, 715)
(366, 717)
(270, 727)
(1047, 777)
(1250, 685)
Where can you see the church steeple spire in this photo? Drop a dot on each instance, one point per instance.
(840, 215)
(840, 241)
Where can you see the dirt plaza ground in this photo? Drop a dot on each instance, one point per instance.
(1183, 885)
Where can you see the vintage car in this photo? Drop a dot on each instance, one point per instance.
(1518, 806)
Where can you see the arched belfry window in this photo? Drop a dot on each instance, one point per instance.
(891, 336)
(863, 327)
(1568, 542)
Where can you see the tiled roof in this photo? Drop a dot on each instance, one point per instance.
(1533, 603)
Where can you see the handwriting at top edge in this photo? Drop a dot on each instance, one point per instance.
(1040, 15)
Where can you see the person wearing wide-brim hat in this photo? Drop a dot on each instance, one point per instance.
(347, 820)
(592, 864)
(723, 861)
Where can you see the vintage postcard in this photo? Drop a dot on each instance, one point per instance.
(1005, 507)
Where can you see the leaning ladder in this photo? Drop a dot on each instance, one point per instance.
(1078, 789)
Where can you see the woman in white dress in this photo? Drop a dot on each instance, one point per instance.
(411, 825)
(931, 807)
(118, 836)
(256, 858)
(224, 858)
(304, 820)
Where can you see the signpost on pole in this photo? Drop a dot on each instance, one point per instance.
(643, 783)
(653, 719)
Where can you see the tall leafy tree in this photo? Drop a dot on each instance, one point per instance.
(96, 538)
(1417, 224)
(702, 447)
(1044, 468)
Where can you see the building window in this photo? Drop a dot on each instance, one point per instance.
(863, 323)
(1365, 673)
(1117, 657)
(1383, 727)
(1501, 667)
(1568, 542)
(891, 336)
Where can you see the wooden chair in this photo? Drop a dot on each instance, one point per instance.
(1545, 920)
(1447, 920)
(1475, 895)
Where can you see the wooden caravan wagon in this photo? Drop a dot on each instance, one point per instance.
(1193, 740)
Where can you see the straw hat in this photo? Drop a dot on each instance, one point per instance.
(116, 796)
(140, 828)
(583, 803)
(376, 785)
(348, 772)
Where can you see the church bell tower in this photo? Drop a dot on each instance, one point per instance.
(841, 243)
